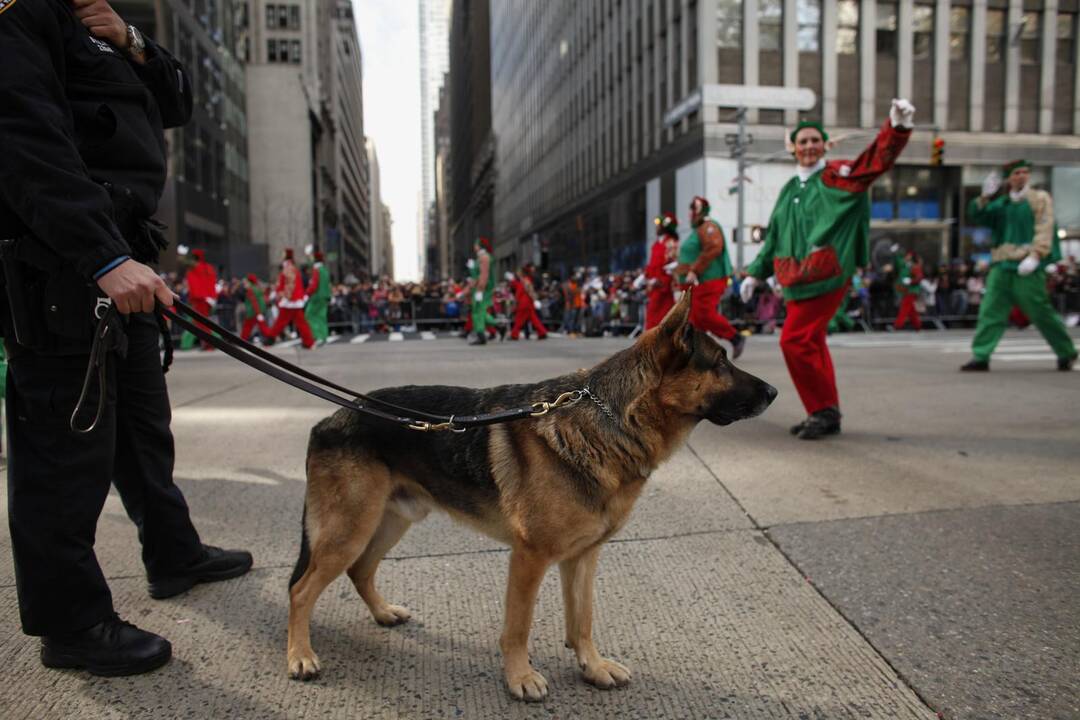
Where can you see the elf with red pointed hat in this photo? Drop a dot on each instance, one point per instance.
(254, 308)
(705, 264)
(202, 294)
(482, 286)
(818, 234)
(290, 300)
(1023, 243)
(526, 303)
(662, 261)
(318, 304)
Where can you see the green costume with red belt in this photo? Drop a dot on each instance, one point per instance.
(1018, 227)
(818, 234)
(318, 303)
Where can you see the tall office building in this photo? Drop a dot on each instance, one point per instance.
(434, 62)
(607, 113)
(472, 145)
(205, 203)
(308, 166)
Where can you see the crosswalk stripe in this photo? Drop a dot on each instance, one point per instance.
(427, 335)
(1026, 357)
(396, 337)
(1000, 349)
(359, 339)
(333, 339)
(289, 343)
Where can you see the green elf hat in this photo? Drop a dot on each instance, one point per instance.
(1013, 165)
(809, 124)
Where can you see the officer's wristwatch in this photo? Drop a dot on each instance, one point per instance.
(135, 43)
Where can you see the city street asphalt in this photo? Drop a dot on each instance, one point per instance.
(924, 563)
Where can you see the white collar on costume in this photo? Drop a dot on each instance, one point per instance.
(805, 173)
(1018, 195)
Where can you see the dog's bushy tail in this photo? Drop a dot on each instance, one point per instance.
(305, 551)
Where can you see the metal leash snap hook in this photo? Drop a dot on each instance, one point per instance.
(540, 408)
(421, 426)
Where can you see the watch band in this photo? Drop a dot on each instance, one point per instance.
(136, 45)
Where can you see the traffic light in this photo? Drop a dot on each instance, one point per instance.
(937, 152)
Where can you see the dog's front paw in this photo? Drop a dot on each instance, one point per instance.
(390, 615)
(529, 686)
(303, 666)
(605, 674)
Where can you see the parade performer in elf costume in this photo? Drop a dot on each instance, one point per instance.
(318, 304)
(705, 264)
(482, 285)
(202, 294)
(1022, 245)
(526, 303)
(818, 234)
(908, 276)
(662, 260)
(290, 300)
(254, 308)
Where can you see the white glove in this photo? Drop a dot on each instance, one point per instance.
(470, 263)
(260, 318)
(670, 267)
(509, 276)
(906, 281)
(478, 296)
(894, 248)
(1051, 269)
(1028, 265)
(536, 304)
(902, 114)
(991, 185)
(746, 288)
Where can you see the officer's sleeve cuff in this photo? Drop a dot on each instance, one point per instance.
(112, 265)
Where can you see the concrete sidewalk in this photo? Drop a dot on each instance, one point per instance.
(702, 595)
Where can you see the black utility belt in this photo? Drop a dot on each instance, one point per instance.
(51, 308)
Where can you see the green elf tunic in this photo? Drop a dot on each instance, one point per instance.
(1017, 227)
(254, 301)
(820, 229)
(903, 272)
(690, 251)
(318, 302)
(480, 309)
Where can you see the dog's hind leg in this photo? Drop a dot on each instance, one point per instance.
(346, 500)
(362, 572)
(577, 581)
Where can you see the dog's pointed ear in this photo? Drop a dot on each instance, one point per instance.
(674, 323)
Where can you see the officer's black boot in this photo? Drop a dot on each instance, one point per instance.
(215, 564)
(110, 648)
(819, 424)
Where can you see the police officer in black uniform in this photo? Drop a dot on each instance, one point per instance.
(84, 99)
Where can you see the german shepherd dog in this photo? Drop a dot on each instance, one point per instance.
(554, 488)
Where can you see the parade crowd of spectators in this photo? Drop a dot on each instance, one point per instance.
(589, 303)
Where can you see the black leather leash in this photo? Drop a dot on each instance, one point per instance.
(301, 379)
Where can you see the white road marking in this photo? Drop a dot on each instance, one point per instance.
(427, 335)
(288, 343)
(396, 337)
(359, 339)
(333, 339)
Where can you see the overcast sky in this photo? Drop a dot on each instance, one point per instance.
(389, 38)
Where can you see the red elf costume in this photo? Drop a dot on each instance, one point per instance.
(661, 296)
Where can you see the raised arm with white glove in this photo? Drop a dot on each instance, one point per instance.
(902, 114)
(746, 288)
(1028, 265)
(991, 185)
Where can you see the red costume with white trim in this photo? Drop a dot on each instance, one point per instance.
(290, 301)
(202, 288)
(661, 295)
(525, 309)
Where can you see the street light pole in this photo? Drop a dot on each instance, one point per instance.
(740, 154)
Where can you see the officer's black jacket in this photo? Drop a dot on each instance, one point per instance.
(75, 112)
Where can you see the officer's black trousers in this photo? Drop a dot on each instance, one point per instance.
(58, 479)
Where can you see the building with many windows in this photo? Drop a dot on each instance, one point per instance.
(434, 62)
(205, 203)
(308, 164)
(602, 114)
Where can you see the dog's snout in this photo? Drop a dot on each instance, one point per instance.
(770, 393)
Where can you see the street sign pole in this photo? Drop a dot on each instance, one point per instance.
(740, 149)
